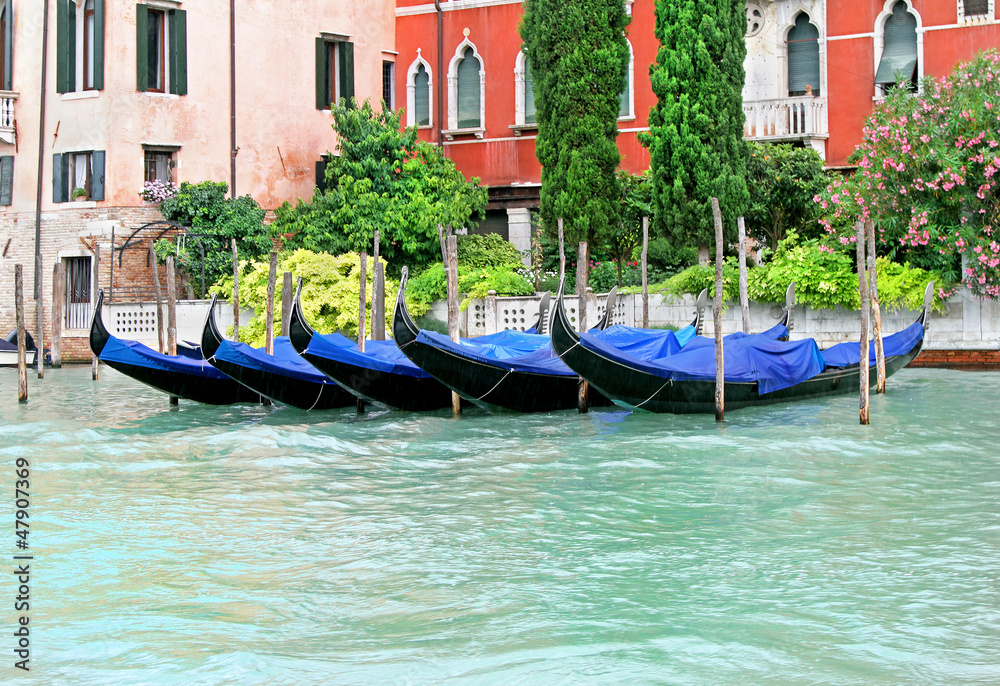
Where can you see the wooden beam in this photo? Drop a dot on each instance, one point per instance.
(94, 361)
(451, 267)
(236, 293)
(171, 307)
(159, 300)
(863, 366)
(645, 273)
(22, 348)
(720, 358)
(744, 298)
(582, 274)
(876, 309)
(362, 297)
(58, 298)
(272, 275)
(286, 302)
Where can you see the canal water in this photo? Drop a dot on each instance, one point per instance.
(251, 545)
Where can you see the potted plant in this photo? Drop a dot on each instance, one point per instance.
(79, 194)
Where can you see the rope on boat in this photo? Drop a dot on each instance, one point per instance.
(318, 396)
(656, 392)
(495, 385)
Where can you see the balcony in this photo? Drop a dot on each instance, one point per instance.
(800, 118)
(7, 130)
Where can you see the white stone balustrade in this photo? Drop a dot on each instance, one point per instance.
(7, 131)
(796, 118)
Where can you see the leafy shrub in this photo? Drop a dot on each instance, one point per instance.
(487, 251)
(330, 292)
(697, 278)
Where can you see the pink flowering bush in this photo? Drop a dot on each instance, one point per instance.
(157, 191)
(927, 176)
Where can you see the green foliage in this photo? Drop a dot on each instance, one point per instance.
(330, 292)
(695, 139)
(428, 286)
(697, 278)
(485, 251)
(626, 236)
(664, 256)
(431, 284)
(783, 182)
(823, 278)
(579, 58)
(927, 176)
(901, 286)
(384, 178)
(215, 220)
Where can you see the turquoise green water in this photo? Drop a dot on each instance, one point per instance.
(249, 545)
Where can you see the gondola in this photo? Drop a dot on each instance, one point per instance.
(179, 375)
(283, 377)
(8, 349)
(382, 373)
(759, 370)
(507, 371)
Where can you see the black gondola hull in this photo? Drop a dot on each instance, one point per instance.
(637, 389)
(393, 390)
(189, 387)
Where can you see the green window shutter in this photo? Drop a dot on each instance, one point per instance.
(422, 97)
(468, 91)
(6, 179)
(529, 94)
(625, 99)
(178, 52)
(141, 48)
(803, 56)
(346, 75)
(98, 44)
(322, 75)
(97, 175)
(60, 178)
(8, 45)
(321, 175)
(899, 55)
(65, 46)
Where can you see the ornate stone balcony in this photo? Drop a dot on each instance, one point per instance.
(801, 118)
(7, 130)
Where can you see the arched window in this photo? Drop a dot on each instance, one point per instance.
(419, 87)
(468, 96)
(626, 110)
(803, 57)
(899, 62)
(529, 94)
(524, 93)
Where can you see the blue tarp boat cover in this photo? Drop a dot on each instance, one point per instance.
(845, 354)
(139, 355)
(511, 350)
(285, 361)
(382, 356)
(772, 363)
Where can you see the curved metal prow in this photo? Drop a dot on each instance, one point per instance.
(99, 335)
(211, 337)
(541, 321)
(699, 319)
(299, 331)
(609, 310)
(928, 301)
(559, 317)
(404, 329)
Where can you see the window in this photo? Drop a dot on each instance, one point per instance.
(161, 50)
(524, 94)
(78, 280)
(321, 166)
(625, 111)
(977, 8)
(80, 45)
(388, 84)
(78, 170)
(6, 44)
(899, 52)
(468, 95)
(334, 71)
(529, 94)
(158, 165)
(6, 179)
(418, 93)
(803, 57)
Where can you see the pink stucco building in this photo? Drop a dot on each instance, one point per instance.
(138, 91)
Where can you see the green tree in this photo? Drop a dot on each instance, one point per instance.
(626, 235)
(783, 182)
(695, 139)
(215, 220)
(579, 59)
(383, 178)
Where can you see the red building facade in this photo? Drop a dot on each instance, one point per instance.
(813, 71)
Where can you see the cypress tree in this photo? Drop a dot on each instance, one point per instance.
(695, 137)
(578, 57)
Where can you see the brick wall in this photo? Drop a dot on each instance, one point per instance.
(966, 360)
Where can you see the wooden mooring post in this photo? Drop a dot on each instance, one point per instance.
(272, 275)
(236, 293)
(362, 324)
(159, 300)
(286, 302)
(863, 366)
(58, 298)
(876, 309)
(171, 313)
(378, 293)
(22, 340)
(39, 328)
(720, 359)
(94, 361)
(744, 298)
(451, 267)
(582, 274)
(562, 250)
(645, 273)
